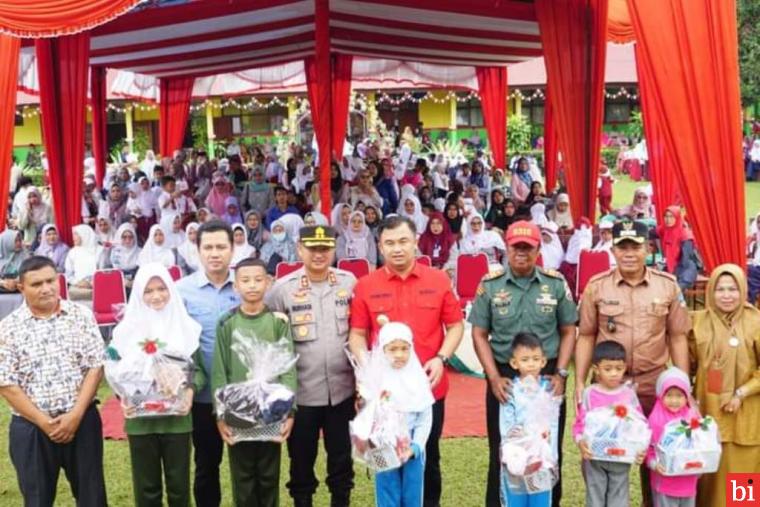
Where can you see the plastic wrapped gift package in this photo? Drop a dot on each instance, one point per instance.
(689, 447)
(529, 463)
(379, 434)
(618, 433)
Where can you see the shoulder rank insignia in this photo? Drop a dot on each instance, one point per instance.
(493, 274)
(552, 272)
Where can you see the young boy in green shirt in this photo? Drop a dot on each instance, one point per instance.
(254, 466)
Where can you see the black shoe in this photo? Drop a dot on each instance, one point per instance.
(340, 500)
(304, 501)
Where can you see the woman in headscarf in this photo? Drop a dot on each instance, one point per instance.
(232, 211)
(552, 252)
(410, 207)
(357, 242)
(455, 219)
(257, 194)
(497, 214)
(538, 214)
(204, 215)
(478, 240)
(82, 262)
(114, 206)
(240, 247)
(33, 216)
(149, 162)
(279, 248)
(338, 188)
(372, 217)
(724, 348)
(188, 257)
(125, 252)
(437, 240)
(677, 245)
(143, 205)
(12, 254)
(365, 191)
(313, 218)
(255, 231)
(156, 250)
(216, 200)
(52, 247)
(561, 215)
(605, 240)
(580, 240)
(641, 207)
(339, 217)
(499, 182)
(104, 232)
(171, 225)
(387, 187)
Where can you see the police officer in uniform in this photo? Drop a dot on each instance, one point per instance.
(523, 298)
(642, 309)
(317, 298)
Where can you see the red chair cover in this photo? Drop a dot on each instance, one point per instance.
(590, 264)
(470, 271)
(176, 272)
(285, 268)
(107, 293)
(359, 267)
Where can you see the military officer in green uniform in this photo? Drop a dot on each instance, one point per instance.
(317, 300)
(523, 298)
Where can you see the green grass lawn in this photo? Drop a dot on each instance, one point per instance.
(464, 464)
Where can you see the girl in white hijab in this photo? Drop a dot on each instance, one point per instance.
(605, 240)
(313, 218)
(155, 249)
(538, 214)
(561, 215)
(409, 206)
(357, 242)
(155, 321)
(125, 252)
(552, 252)
(240, 247)
(478, 240)
(82, 262)
(339, 217)
(171, 225)
(580, 240)
(188, 257)
(395, 370)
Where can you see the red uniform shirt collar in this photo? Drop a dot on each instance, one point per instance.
(416, 271)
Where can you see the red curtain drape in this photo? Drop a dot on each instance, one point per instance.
(661, 164)
(174, 110)
(319, 89)
(492, 87)
(619, 27)
(550, 145)
(98, 103)
(9, 48)
(690, 51)
(341, 92)
(62, 64)
(49, 18)
(574, 39)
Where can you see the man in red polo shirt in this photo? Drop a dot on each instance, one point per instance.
(421, 297)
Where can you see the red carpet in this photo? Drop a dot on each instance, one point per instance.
(465, 410)
(465, 407)
(113, 420)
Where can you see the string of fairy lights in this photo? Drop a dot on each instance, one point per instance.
(362, 99)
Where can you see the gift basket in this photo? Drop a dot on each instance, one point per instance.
(617, 433)
(689, 447)
(379, 432)
(151, 381)
(529, 448)
(255, 409)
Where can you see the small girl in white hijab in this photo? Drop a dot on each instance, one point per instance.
(188, 257)
(155, 249)
(409, 206)
(401, 376)
(240, 247)
(552, 252)
(357, 241)
(82, 262)
(156, 321)
(171, 225)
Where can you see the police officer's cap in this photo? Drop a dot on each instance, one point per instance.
(629, 230)
(318, 235)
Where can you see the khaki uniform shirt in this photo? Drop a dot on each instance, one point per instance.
(506, 305)
(318, 314)
(641, 318)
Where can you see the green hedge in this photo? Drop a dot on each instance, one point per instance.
(609, 156)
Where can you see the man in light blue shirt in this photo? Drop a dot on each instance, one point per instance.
(208, 294)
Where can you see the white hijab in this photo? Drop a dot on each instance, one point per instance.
(240, 252)
(563, 219)
(152, 252)
(335, 217)
(538, 214)
(127, 256)
(409, 387)
(551, 253)
(83, 259)
(357, 243)
(417, 216)
(189, 250)
(172, 239)
(605, 246)
(483, 241)
(754, 153)
(581, 240)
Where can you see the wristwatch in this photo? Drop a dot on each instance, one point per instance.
(562, 372)
(444, 359)
(739, 393)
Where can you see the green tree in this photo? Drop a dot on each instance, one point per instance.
(518, 133)
(749, 50)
